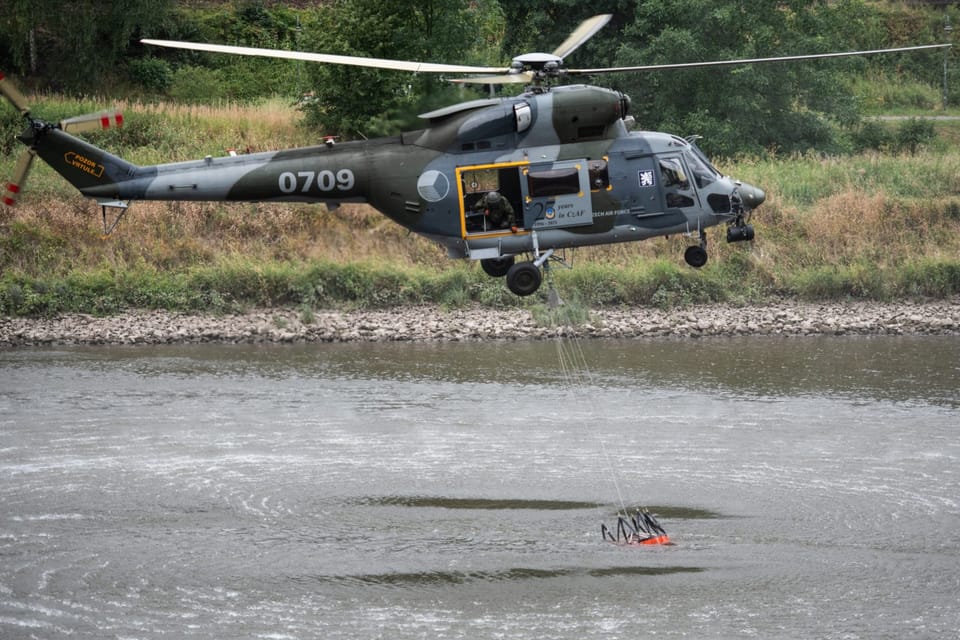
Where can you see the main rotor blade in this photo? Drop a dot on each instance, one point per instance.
(581, 34)
(8, 89)
(12, 191)
(355, 61)
(92, 122)
(506, 78)
(722, 63)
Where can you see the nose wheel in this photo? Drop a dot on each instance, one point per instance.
(696, 255)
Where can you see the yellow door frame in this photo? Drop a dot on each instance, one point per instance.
(461, 194)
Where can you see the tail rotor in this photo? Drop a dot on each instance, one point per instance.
(92, 122)
(19, 102)
(36, 129)
(11, 93)
(12, 192)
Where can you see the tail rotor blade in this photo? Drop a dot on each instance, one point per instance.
(12, 192)
(10, 91)
(92, 122)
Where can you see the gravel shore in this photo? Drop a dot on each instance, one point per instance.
(432, 324)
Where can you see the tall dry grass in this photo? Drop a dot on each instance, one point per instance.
(63, 235)
(261, 126)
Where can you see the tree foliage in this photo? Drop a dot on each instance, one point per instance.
(775, 106)
(201, 77)
(89, 46)
(355, 100)
(750, 108)
(542, 25)
(76, 45)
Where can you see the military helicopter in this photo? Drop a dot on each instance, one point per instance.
(529, 176)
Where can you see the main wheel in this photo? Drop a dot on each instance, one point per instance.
(696, 256)
(524, 278)
(497, 267)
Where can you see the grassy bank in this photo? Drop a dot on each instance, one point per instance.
(878, 226)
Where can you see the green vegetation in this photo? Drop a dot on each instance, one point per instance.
(863, 208)
(93, 48)
(877, 225)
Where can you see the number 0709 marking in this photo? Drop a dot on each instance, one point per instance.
(306, 181)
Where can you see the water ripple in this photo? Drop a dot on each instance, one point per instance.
(514, 574)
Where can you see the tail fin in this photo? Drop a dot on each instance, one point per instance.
(82, 164)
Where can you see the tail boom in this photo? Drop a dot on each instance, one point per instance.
(309, 174)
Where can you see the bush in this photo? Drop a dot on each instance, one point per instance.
(572, 313)
(913, 134)
(198, 85)
(841, 281)
(930, 278)
(661, 283)
(871, 135)
(151, 73)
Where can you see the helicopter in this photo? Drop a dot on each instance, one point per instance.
(511, 182)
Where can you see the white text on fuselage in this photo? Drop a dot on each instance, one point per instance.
(325, 181)
(615, 212)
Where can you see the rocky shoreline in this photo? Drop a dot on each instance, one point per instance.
(433, 324)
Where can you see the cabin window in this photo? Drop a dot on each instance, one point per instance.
(553, 182)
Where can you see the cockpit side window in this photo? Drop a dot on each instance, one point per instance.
(673, 173)
(676, 184)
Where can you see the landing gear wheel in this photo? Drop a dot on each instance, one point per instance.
(497, 267)
(524, 278)
(696, 256)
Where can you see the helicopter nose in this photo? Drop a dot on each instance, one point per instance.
(751, 196)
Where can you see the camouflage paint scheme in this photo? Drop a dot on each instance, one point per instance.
(415, 178)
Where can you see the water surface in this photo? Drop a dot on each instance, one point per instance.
(457, 490)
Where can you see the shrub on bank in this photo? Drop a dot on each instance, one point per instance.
(232, 286)
(930, 278)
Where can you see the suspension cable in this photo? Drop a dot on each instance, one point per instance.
(574, 367)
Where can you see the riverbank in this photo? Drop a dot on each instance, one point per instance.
(433, 324)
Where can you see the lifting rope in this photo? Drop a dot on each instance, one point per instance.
(641, 528)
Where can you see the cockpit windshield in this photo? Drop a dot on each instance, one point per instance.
(703, 172)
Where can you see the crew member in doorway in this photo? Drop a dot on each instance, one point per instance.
(498, 211)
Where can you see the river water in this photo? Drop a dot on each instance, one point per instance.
(811, 487)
